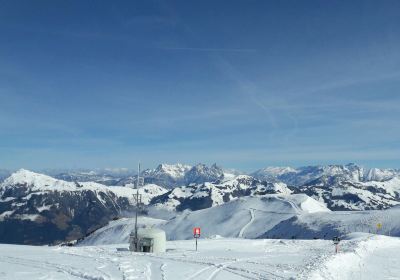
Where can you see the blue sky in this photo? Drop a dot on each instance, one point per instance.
(245, 84)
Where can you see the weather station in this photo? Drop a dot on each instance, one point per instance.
(145, 239)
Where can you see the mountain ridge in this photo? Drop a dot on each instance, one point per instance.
(56, 210)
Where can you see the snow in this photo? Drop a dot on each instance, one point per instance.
(302, 175)
(5, 214)
(243, 229)
(281, 188)
(219, 193)
(216, 259)
(277, 171)
(147, 192)
(44, 208)
(248, 217)
(31, 217)
(39, 183)
(312, 206)
(7, 199)
(391, 186)
(174, 170)
(118, 231)
(364, 257)
(376, 174)
(368, 257)
(328, 224)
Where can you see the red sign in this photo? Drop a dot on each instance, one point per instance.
(196, 231)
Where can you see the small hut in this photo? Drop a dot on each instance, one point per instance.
(149, 240)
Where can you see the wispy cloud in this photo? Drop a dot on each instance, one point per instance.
(344, 83)
(194, 49)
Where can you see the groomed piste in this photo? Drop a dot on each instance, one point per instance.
(361, 256)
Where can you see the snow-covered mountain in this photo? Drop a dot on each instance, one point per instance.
(341, 193)
(376, 174)
(205, 195)
(53, 210)
(201, 173)
(341, 187)
(246, 217)
(294, 216)
(108, 176)
(273, 174)
(303, 175)
(167, 175)
(39, 209)
(176, 175)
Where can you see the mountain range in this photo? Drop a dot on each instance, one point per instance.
(176, 175)
(40, 209)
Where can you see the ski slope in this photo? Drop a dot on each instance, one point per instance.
(361, 257)
(270, 216)
(247, 217)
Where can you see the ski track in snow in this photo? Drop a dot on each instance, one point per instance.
(292, 203)
(60, 268)
(217, 259)
(243, 229)
(162, 269)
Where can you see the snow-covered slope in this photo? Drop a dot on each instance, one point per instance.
(376, 174)
(341, 187)
(247, 217)
(337, 223)
(38, 182)
(277, 216)
(106, 176)
(28, 182)
(176, 175)
(38, 209)
(342, 194)
(201, 173)
(363, 257)
(118, 231)
(195, 197)
(54, 210)
(167, 175)
(366, 257)
(303, 175)
(147, 192)
(273, 173)
(271, 216)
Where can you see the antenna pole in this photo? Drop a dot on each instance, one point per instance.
(137, 210)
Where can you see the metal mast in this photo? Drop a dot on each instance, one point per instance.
(138, 200)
